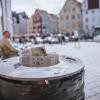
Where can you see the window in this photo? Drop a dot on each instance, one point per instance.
(84, 4)
(73, 17)
(34, 27)
(72, 2)
(67, 17)
(44, 27)
(86, 12)
(73, 9)
(86, 20)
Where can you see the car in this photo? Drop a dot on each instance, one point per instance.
(51, 39)
(97, 38)
(66, 39)
(47, 40)
(54, 40)
(38, 40)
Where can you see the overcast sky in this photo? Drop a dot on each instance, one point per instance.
(52, 6)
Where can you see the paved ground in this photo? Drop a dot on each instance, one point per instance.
(89, 53)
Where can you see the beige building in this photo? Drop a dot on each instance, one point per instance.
(70, 17)
(30, 25)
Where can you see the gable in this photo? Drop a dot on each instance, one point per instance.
(69, 5)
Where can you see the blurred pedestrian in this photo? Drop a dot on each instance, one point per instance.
(76, 40)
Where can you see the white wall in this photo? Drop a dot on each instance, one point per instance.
(22, 25)
(7, 16)
(93, 18)
(67, 24)
(53, 26)
(0, 20)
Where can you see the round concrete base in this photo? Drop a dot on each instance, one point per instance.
(64, 81)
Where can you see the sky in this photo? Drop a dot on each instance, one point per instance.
(29, 6)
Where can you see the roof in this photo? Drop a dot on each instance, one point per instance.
(14, 14)
(53, 17)
(40, 12)
(76, 1)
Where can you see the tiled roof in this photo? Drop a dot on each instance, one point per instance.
(53, 17)
(40, 12)
(76, 1)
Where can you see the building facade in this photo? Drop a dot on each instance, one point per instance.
(70, 17)
(53, 21)
(0, 19)
(30, 25)
(91, 17)
(20, 23)
(40, 22)
(6, 23)
(37, 23)
(44, 23)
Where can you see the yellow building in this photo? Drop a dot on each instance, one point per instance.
(30, 25)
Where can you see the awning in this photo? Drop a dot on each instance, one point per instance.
(97, 26)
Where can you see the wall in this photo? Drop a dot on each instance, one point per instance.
(91, 18)
(7, 16)
(0, 19)
(67, 24)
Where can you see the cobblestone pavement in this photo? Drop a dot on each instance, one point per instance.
(89, 53)
(92, 83)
